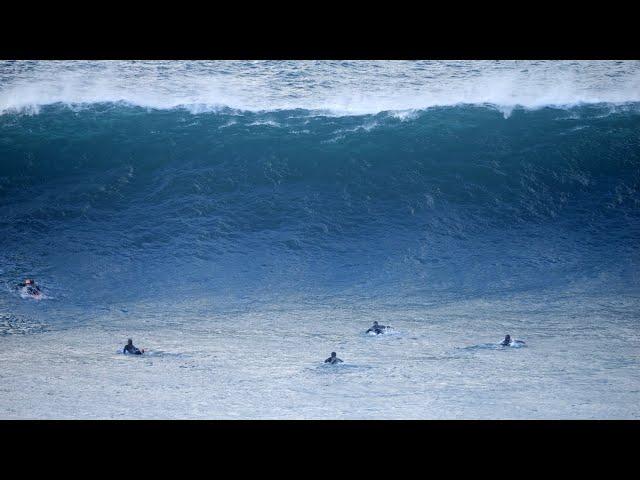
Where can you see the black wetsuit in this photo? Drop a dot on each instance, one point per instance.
(132, 350)
(33, 290)
(333, 360)
(377, 329)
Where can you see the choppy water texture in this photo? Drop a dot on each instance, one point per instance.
(241, 220)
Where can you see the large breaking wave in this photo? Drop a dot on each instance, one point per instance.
(444, 201)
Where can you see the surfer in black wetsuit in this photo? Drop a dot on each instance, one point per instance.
(377, 329)
(30, 285)
(507, 341)
(333, 359)
(129, 348)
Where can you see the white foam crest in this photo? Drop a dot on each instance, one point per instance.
(335, 88)
(367, 127)
(268, 123)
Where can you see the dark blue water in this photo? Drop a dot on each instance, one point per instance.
(120, 203)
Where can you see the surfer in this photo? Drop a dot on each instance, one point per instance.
(333, 359)
(507, 341)
(31, 287)
(129, 348)
(377, 329)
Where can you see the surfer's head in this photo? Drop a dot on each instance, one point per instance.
(375, 324)
(28, 281)
(333, 354)
(507, 338)
(130, 342)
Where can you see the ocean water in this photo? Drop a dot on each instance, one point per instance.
(240, 220)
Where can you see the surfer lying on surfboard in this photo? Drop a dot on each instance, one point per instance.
(30, 287)
(377, 329)
(507, 342)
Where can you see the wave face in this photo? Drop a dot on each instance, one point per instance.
(145, 199)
